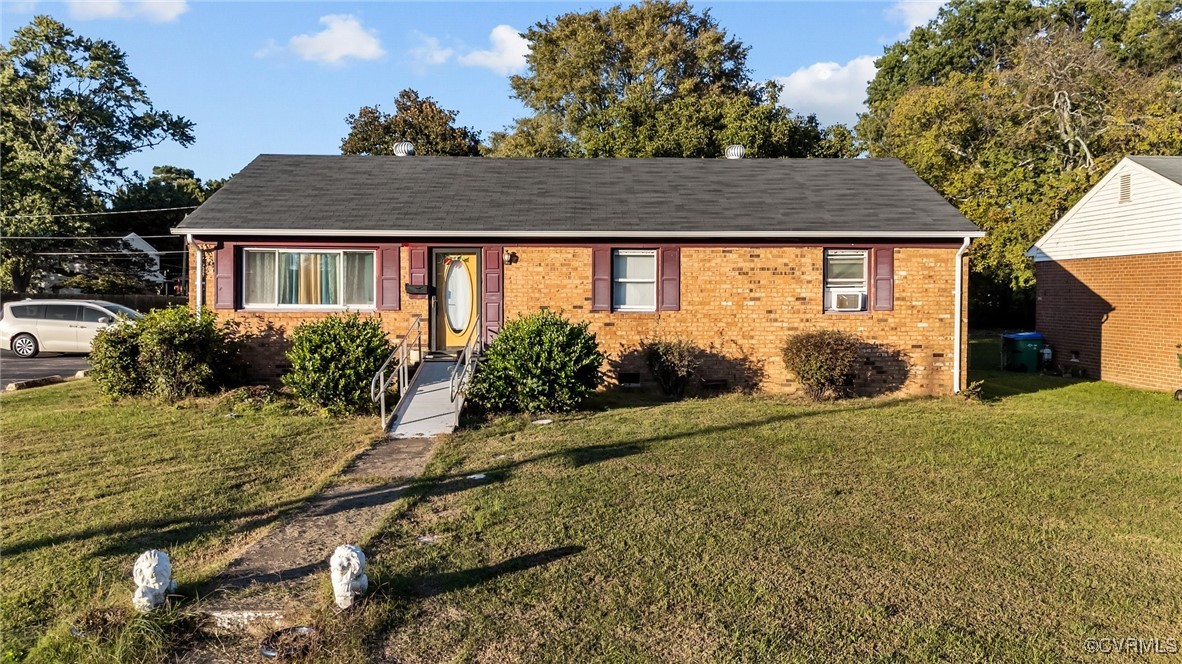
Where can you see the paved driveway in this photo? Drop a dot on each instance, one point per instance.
(13, 368)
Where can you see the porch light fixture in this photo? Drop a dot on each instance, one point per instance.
(508, 257)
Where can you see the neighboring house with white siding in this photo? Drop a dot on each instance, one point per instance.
(1109, 293)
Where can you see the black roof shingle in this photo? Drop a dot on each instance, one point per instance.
(1168, 167)
(464, 196)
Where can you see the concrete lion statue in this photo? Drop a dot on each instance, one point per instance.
(348, 574)
(152, 573)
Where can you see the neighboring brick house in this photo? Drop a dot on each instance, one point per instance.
(1110, 277)
(735, 255)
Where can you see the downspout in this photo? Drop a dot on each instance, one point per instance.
(200, 274)
(957, 335)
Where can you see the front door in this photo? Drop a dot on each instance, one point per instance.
(457, 298)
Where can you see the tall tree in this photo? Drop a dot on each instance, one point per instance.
(419, 120)
(1013, 110)
(168, 187)
(657, 79)
(70, 111)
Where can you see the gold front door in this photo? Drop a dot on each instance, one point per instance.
(457, 298)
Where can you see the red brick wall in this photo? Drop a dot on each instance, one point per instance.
(1122, 315)
(739, 303)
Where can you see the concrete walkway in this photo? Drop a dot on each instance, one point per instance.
(278, 571)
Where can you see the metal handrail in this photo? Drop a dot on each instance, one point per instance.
(379, 386)
(466, 361)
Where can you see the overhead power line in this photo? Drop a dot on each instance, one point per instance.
(98, 214)
(102, 253)
(85, 237)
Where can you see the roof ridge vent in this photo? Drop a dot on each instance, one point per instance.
(735, 151)
(404, 149)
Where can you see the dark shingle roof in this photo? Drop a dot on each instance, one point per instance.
(459, 196)
(1169, 167)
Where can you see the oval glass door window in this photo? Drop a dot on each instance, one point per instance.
(458, 290)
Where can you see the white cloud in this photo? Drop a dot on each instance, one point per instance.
(429, 52)
(156, 11)
(19, 6)
(343, 37)
(912, 13)
(836, 93)
(507, 54)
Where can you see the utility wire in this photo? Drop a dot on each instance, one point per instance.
(102, 253)
(85, 237)
(95, 214)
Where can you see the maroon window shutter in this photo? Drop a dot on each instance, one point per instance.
(601, 279)
(223, 281)
(492, 293)
(389, 268)
(884, 279)
(418, 268)
(670, 278)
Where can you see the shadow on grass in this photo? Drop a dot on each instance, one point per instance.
(432, 585)
(163, 533)
(985, 365)
(1001, 384)
(446, 483)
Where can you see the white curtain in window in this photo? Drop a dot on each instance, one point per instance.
(633, 295)
(635, 266)
(846, 269)
(260, 277)
(359, 278)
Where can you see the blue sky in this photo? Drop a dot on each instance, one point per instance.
(280, 77)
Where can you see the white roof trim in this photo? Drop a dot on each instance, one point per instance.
(1035, 251)
(578, 234)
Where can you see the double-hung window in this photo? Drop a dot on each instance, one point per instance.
(308, 279)
(634, 280)
(845, 279)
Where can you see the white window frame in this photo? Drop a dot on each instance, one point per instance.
(832, 290)
(618, 280)
(274, 304)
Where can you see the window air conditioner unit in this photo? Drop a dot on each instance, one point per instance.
(848, 301)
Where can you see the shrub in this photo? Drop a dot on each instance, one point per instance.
(333, 361)
(824, 362)
(672, 362)
(187, 356)
(541, 362)
(115, 360)
(169, 354)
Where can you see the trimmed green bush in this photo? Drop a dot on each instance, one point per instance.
(115, 360)
(824, 362)
(672, 362)
(333, 361)
(169, 354)
(538, 363)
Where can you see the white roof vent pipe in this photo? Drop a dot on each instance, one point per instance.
(735, 152)
(404, 149)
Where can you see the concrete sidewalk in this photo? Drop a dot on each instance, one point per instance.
(279, 571)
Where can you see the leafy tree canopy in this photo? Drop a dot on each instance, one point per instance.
(657, 79)
(70, 111)
(419, 120)
(1013, 109)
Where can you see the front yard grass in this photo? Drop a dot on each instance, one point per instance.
(759, 529)
(88, 485)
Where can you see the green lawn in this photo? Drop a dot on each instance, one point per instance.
(88, 485)
(759, 529)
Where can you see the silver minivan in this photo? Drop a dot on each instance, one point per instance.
(28, 327)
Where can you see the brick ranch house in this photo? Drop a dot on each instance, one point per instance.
(1109, 277)
(735, 255)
